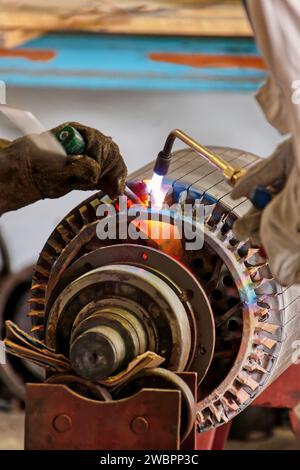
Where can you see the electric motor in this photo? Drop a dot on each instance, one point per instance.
(215, 310)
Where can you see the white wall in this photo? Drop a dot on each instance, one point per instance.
(139, 123)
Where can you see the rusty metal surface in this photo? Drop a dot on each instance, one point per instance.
(58, 418)
(81, 386)
(205, 440)
(159, 378)
(284, 392)
(214, 439)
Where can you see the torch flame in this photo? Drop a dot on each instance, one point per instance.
(157, 191)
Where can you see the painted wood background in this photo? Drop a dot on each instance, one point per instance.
(96, 61)
(164, 17)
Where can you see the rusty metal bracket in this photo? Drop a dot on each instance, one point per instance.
(59, 418)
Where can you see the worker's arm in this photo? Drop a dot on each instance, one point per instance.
(267, 172)
(28, 174)
(277, 30)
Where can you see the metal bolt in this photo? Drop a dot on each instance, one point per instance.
(139, 425)
(62, 423)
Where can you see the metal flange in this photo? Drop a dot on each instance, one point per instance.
(184, 293)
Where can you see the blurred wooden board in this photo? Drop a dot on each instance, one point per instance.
(170, 17)
(118, 62)
(14, 37)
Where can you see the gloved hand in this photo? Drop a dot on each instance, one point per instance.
(28, 174)
(268, 171)
(280, 232)
(277, 227)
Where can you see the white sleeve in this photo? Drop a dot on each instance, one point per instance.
(273, 103)
(276, 25)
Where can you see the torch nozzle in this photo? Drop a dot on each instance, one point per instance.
(162, 163)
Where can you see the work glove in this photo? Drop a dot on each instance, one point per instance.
(28, 173)
(277, 227)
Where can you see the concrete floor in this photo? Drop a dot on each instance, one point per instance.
(282, 439)
(12, 436)
(12, 430)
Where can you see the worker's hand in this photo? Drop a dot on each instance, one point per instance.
(102, 156)
(277, 227)
(269, 171)
(280, 232)
(28, 174)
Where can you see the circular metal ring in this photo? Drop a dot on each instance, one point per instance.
(81, 386)
(163, 379)
(126, 277)
(186, 285)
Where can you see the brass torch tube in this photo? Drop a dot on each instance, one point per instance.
(231, 173)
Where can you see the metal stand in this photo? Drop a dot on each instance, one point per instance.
(59, 418)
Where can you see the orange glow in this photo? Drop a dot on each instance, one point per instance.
(166, 236)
